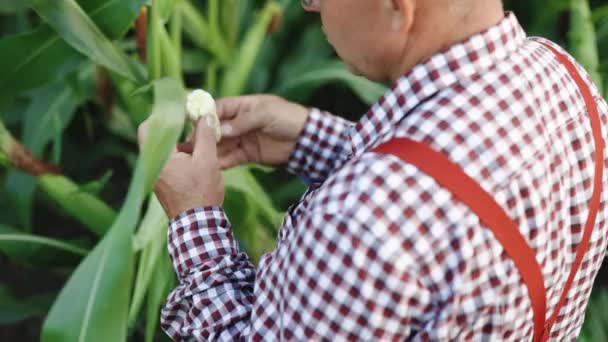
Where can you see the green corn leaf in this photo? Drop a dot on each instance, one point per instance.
(80, 31)
(300, 87)
(148, 259)
(37, 250)
(238, 71)
(197, 29)
(300, 61)
(36, 57)
(20, 188)
(94, 187)
(175, 33)
(155, 221)
(170, 57)
(163, 280)
(11, 6)
(229, 20)
(165, 8)
(83, 206)
(93, 306)
(138, 106)
(52, 106)
(113, 17)
(152, 237)
(153, 48)
(600, 13)
(10, 240)
(582, 39)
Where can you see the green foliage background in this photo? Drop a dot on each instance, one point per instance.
(83, 253)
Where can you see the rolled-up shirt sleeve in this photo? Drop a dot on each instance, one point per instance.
(215, 292)
(323, 146)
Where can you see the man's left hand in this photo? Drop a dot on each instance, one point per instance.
(191, 177)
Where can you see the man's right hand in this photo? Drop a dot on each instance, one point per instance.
(260, 129)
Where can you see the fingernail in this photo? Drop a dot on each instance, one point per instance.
(226, 129)
(209, 121)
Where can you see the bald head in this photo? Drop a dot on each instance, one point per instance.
(383, 39)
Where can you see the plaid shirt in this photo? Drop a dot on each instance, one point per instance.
(377, 250)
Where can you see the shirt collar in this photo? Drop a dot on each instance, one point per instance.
(458, 62)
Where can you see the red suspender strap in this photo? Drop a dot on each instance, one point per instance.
(594, 202)
(450, 176)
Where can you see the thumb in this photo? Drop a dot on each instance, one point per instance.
(205, 145)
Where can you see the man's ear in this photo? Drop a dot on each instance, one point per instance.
(401, 14)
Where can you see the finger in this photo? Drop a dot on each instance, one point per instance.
(226, 145)
(242, 124)
(229, 107)
(186, 147)
(234, 158)
(205, 145)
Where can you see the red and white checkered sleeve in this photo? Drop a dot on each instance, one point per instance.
(322, 147)
(215, 292)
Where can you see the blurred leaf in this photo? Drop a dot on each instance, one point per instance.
(93, 306)
(20, 188)
(137, 104)
(11, 6)
(96, 186)
(582, 39)
(113, 17)
(78, 30)
(240, 67)
(153, 223)
(300, 61)
(194, 61)
(121, 124)
(11, 242)
(34, 57)
(13, 310)
(13, 114)
(163, 279)
(40, 55)
(55, 102)
(229, 20)
(52, 106)
(165, 8)
(197, 29)
(287, 193)
(37, 252)
(300, 87)
(600, 13)
(86, 208)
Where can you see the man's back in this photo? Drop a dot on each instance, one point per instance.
(513, 119)
(377, 250)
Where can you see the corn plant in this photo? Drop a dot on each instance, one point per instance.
(81, 75)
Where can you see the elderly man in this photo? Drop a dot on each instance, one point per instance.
(466, 204)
